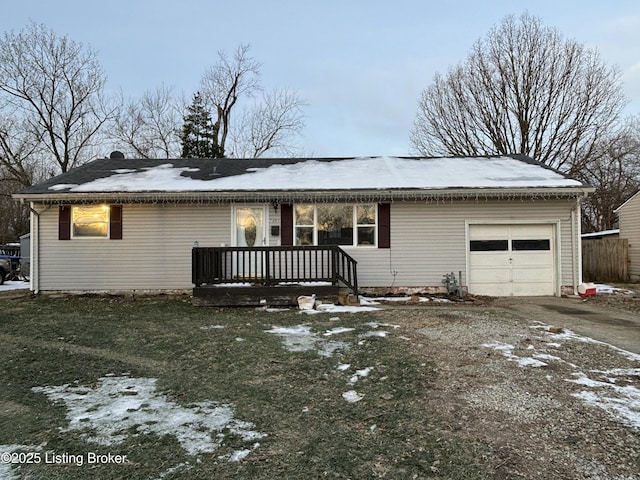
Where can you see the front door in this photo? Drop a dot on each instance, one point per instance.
(250, 231)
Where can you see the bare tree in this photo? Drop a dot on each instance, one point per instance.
(270, 126)
(149, 126)
(255, 127)
(523, 89)
(614, 171)
(55, 87)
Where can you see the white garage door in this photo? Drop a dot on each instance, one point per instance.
(507, 260)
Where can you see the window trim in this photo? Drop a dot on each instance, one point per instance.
(106, 236)
(354, 225)
(114, 223)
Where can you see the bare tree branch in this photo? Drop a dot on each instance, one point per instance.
(523, 89)
(56, 86)
(149, 126)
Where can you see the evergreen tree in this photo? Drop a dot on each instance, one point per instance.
(198, 135)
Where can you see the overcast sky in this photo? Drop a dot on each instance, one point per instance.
(360, 64)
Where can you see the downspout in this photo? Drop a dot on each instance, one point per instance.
(579, 238)
(577, 260)
(34, 254)
(576, 229)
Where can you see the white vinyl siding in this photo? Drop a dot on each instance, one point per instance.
(154, 253)
(428, 240)
(629, 220)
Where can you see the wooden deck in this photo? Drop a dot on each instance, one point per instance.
(273, 276)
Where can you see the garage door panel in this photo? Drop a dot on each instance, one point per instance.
(483, 260)
(489, 232)
(491, 289)
(532, 275)
(532, 260)
(530, 231)
(493, 275)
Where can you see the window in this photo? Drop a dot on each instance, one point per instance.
(335, 224)
(90, 221)
(489, 245)
(542, 244)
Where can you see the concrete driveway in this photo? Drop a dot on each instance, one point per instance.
(604, 322)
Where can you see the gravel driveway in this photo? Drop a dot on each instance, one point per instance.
(550, 403)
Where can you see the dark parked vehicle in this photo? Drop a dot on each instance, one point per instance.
(9, 262)
(5, 268)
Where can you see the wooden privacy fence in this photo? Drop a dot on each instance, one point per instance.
(605, 260)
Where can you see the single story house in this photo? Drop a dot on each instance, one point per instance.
(629, 223)
(505, 225)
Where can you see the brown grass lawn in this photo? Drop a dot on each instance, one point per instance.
(113, 388)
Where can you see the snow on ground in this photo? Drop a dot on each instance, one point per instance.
(602, 288)
(14, 285)
(377, 300)
(611, 390)
(300, 338)
(6, 471)
(352, 396)
(118, 406)
(330, 308)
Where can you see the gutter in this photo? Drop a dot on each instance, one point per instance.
(323, 196)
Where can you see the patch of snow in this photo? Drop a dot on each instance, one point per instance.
(364, 372)
(6, 472)
(608, 289)
(329, 308)
(343, 366)
(374, 333)
(377, 300)
(570, 335)
(118, 406)
(239, 454)
(507, 351)
(300, 338)
(352, 396)
(63, 186)
(14, 285)
(378, 325)
(338, 330)
(212, 327)
(621, 402)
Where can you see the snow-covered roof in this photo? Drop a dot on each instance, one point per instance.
(602, 233)
(297, 175)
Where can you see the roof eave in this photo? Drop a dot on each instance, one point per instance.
(285, 196)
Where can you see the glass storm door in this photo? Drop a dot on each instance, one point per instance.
(250, 231)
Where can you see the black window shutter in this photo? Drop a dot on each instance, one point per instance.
(115, 222)
(384, 225)
(64, 222)
(286, 224)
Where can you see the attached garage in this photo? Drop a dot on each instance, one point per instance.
(512, 259)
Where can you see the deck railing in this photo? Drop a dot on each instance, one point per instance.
(273, 265)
